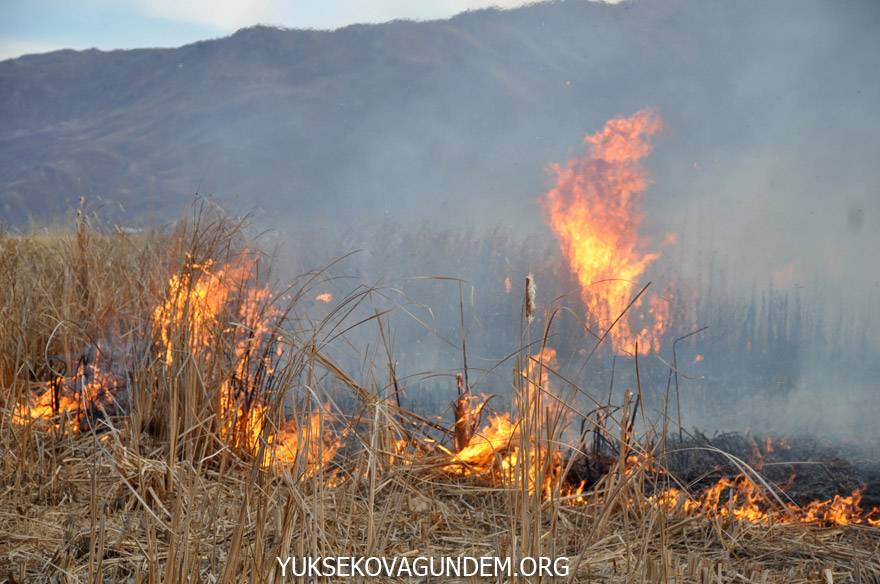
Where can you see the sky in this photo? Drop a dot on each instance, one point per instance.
(38, 26)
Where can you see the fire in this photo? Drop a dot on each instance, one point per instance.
(496, 452)
(478, 456)
(84, 396)
(219, 313)
(594, 211)
(537, 372)
(204, 304)
(496, 449)
(319, 444)
(216, 312)
(740, 498)
(311, 443)
(743, 499)
(47, 405)
(324, 297)
(194, 302)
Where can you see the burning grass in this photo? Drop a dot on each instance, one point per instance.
(171, 414)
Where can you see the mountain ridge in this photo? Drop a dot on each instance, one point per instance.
(446, 118)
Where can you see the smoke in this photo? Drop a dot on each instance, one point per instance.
(768, 150)
(426, 145)
(762, 188)
(762, 175)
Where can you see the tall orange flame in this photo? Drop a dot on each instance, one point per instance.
(594, 212)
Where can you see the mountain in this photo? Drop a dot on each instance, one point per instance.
(452, 120)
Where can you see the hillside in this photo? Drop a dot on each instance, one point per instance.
(446, 118)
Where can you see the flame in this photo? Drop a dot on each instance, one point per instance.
(740, 498)
(537, 372)
(195, 299)
(312, 440)
(324, 297)
(311, 443)
(44, 407)
(670, 239)
(203, 304)
(495, 450)
(478, 457)
(594, 211)
(90, 390)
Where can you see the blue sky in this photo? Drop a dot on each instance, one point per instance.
(35, 26)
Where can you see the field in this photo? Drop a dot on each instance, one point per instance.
(171, 413)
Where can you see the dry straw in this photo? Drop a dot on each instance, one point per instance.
(160, 494)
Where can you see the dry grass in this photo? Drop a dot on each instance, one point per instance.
(159, 495)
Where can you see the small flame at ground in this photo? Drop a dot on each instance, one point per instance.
(84, 396)
(495, 450)
(740, 498)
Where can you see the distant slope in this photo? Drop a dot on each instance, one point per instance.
(449, 119)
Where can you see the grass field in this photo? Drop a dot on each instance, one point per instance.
(171, 413)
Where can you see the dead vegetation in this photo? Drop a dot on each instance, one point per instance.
(225, 443)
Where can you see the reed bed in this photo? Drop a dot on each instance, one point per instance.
(174, 484)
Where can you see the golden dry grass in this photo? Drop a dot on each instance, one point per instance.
(158, 495)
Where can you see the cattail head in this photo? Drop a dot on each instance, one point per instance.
(530, 298)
